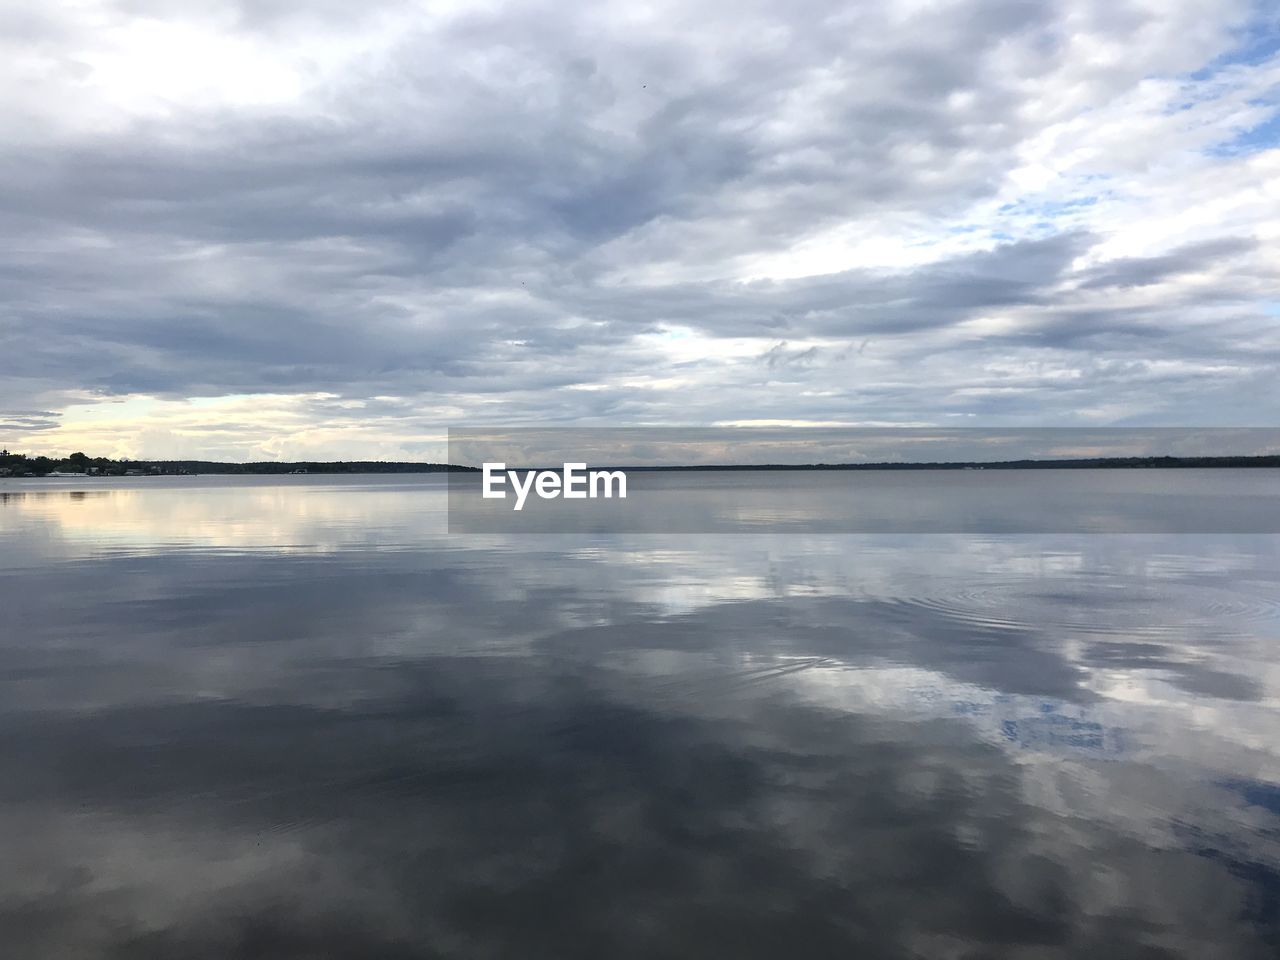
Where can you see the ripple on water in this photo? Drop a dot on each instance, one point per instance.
(1101, 605)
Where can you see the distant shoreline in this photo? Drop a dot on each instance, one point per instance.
(1105, 463)
(343, 467)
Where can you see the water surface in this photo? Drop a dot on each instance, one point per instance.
(292, 717)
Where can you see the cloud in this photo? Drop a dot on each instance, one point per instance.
(19, 421)
(530, 212)
(1144, 271)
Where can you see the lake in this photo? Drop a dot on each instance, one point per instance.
(294, 717)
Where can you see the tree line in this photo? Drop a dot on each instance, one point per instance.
(20, 465)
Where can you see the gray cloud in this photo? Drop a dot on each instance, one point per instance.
(23, 420)
(1141, 271)
(482, 210)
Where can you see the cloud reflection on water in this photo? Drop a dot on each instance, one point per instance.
(644, 746)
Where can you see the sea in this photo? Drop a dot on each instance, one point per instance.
(310, 717)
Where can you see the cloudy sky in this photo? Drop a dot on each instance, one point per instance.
(276, 229)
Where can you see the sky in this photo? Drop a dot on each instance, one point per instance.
(326, 230)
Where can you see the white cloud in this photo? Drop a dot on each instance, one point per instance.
(502, 212)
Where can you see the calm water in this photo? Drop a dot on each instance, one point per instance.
(287, 718)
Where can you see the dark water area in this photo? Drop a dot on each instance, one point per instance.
(294, 718)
